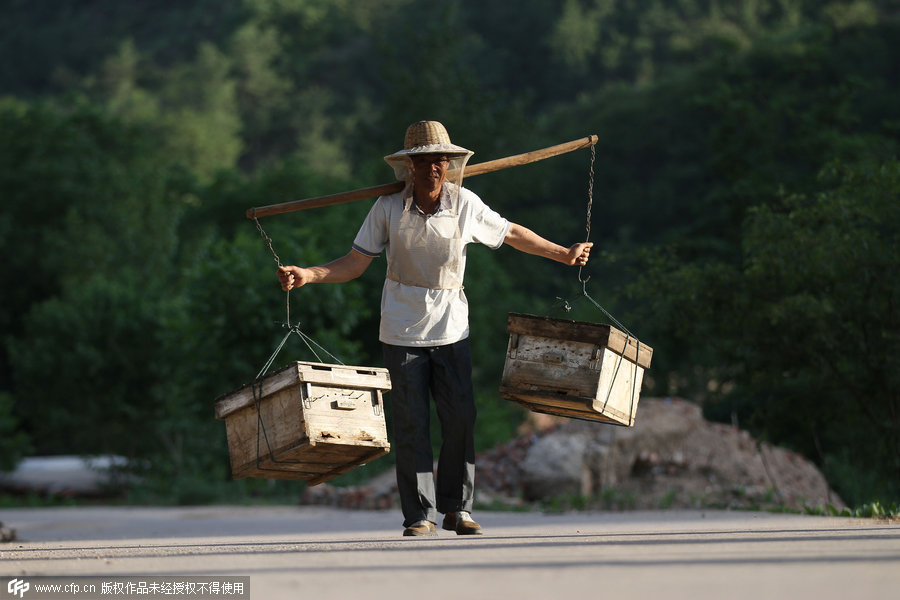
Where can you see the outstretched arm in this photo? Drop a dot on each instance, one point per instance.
(347, 267)
(523, 239)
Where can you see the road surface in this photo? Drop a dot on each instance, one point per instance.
(330, 554)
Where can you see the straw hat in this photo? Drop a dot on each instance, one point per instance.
(425, 137)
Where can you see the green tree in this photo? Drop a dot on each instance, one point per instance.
(797, 341)
(87, 364)
(83, 194)
(193, 105)
(90, 220)
(823, 338)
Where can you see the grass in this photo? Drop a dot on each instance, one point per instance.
(269, 492)
(871, 510)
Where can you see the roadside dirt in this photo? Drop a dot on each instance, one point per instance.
(671, 458)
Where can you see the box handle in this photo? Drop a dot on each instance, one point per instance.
(513, 350)
(554, 357)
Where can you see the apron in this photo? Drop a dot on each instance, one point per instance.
(427, 251)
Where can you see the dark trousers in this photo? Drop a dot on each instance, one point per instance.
(445, 374)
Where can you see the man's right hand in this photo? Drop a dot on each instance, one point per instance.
(292, 277)
(343, 269)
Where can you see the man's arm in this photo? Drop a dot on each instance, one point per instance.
(347, 267)
(523, 239)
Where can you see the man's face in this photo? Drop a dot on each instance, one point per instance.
(430, 170)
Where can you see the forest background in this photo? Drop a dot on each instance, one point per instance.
(745, 208)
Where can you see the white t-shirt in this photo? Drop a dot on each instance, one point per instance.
(423, 303)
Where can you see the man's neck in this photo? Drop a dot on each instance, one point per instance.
(428, 201)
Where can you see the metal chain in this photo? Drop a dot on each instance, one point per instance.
(287, 307)
(268, 241)
(590, 193)
(561, 303)
(590, 203)
(587, 227)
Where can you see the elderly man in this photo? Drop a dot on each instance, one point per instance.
(424, 230)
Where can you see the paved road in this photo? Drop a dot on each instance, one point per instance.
(310, 552)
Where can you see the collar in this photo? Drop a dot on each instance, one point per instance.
(409, 203)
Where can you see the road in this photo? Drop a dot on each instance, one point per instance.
(313, 552)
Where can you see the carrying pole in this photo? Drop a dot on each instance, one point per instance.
(390, 188)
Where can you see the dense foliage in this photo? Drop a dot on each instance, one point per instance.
(744, 205)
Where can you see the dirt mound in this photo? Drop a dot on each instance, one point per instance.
(671, 458)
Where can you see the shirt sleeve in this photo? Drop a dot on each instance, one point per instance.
(372, 237)
(485, 225)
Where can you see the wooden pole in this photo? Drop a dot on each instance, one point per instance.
(390, 188)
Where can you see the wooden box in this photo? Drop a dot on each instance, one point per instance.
(307, 421)
(574, 369)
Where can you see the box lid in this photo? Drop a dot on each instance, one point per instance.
(342, 376)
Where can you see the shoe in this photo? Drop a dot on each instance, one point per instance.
(461, 522)
(421, 528)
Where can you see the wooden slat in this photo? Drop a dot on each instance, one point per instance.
(300, 371)
(370, 456)
(576, 331)
(521, 374)
(312, 463)
(571, 412)
(344, 376)
(560, 404)
(243, 396)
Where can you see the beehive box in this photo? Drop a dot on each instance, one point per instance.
(307, 421)
(574, 369)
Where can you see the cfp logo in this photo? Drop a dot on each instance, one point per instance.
(17, 586)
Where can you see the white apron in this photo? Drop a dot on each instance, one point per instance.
(428, 250)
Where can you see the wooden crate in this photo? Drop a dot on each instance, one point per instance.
(307, 421)
(574, 369)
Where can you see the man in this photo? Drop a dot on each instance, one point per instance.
(424, 230)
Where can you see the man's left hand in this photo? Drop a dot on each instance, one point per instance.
(579, 254)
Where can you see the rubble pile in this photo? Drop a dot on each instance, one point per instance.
(7, 534)
(671, 458)
(380, 493)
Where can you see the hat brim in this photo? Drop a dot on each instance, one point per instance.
(448, 149)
